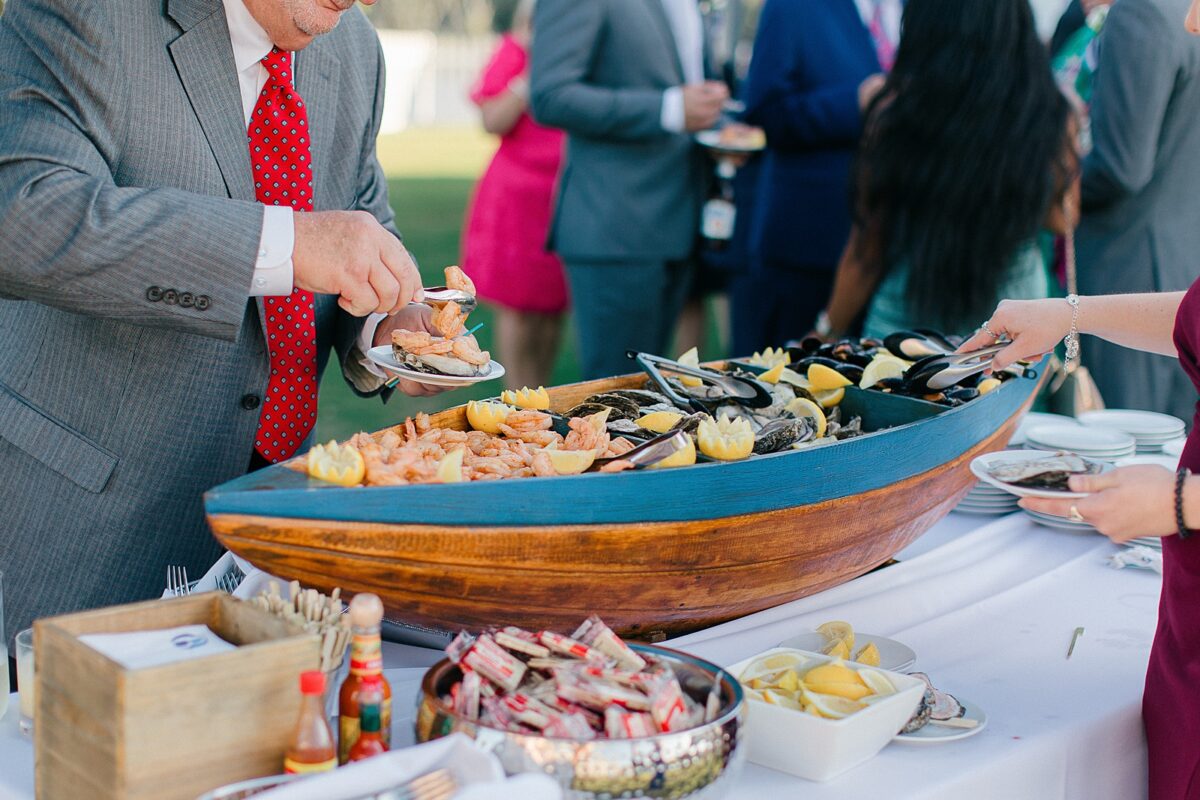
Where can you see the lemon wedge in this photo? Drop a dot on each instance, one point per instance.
(725, 439)
(571, 462)
(835, 630)
(777, 661)
(529, 399)
(690, 359)
(830, 706)
(824, 379)
(830, 398)
(681, 458)
(803, 407)
(988, 385)
(335, 463)
(772, 375)
(770, 357)
(879, 683)
(838, 649)
(487, 415)
(881, 368)
(835, 678)
(869, 655)
(659, 421)
(598, 420)
(450, 467)
(784, 699)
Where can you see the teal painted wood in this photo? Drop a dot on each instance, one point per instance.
(705, 491)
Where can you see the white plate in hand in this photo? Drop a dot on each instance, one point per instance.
(386, 358)
(933, 733)
(981, 464)
(893, 655)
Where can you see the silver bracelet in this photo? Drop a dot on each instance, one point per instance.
(1072, 339)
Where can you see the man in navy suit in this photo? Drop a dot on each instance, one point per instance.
(817, 65)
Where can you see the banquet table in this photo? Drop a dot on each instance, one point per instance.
(989, 606)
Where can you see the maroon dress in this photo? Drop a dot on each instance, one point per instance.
(1171, 705)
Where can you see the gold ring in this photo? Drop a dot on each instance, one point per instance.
(1075, 516)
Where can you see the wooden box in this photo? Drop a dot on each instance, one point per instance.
(169, 732)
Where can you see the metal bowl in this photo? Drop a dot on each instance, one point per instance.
(701, 762)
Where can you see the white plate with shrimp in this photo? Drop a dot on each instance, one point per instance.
(386, 358)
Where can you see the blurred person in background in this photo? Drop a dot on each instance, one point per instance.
(1140, 230)
(504, 242)
(817, 65)
(627, 80)
(962, 165)
(1073, 19)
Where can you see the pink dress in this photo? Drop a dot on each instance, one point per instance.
(504, 243)
(1171, 703)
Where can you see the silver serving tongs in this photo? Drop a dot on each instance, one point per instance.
(744, 391)
(940, 372)
(440, 295)
(650, 452)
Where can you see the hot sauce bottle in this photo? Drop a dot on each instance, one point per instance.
(312, 748)
(366, 664)
(370, 740)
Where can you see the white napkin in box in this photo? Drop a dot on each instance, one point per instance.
(142, 649)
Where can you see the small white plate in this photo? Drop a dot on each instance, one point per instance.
(1155, 459)
(1059, 523)
(981, 464)
(1174, 447)
(1142, 424)
(933, 733)
(1076, 438)
(384, 357)
(893, 655)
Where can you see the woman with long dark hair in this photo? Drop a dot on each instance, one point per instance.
(968, 155)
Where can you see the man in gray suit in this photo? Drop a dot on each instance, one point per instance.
(1140, 230)
(145, 274)
(627, 80)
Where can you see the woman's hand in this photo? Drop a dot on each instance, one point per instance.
(1035, 327)
(1124, 504)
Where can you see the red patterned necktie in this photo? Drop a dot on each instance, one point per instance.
(885, 48)
(279, 153)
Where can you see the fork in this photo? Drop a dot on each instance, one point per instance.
(177, 581)
(437, 785)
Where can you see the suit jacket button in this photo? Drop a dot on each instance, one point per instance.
(154, 294)
(203, 302)
(170, 297)
(251, 401)
(187, 300)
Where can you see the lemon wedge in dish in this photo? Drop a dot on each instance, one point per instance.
(772, 375)
(725, 439)
(571, 462)
(690, 359)
(988, 385)
(882, 368)
(525, 398)
(879, 683)
(682, 458)
(659, 421)
(450, 467)
(487, 415)
(837, 630)
(830, 398)
(795, 379)
(830, 706)
(337, 463)
(836, 679)
(824, 379)
(803, 407)
(770, 357)
(869, 655)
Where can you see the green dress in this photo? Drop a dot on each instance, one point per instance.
(1028, 279)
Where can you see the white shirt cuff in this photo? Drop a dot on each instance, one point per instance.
(273, 272)
(673, 117)
(366, 340)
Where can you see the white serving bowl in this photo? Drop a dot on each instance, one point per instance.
(819, 749)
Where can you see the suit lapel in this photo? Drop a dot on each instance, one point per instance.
(317, 77)
(664, 26)
(203, 57)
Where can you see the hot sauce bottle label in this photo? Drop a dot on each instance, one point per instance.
(299, 767)
(366, 655)
(348, 730)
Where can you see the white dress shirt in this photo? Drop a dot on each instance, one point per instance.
(893, 11)
(687, 26)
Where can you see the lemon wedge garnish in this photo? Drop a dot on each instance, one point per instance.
(869, 655)
(881, 368)
(782, 698)
(988, 385)
(830, 398)
(335, 463)
(770, 357)
(598, 420)
(450, 467)
(681, 458)
(529, 399)
(571, 462)
(772, 375)
(835, 630)
(830, 706)
(659, 421)
(795, 379)
(803, 407)
(487, 416)
(838, 649)
(825, 378)
(690, 359)
(725, 439)
(835, 678)
(879, 683)
(777, 661)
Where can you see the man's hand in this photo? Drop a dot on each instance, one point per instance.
(869, 89)
(702, 103)
(414, 317)
(348, 253)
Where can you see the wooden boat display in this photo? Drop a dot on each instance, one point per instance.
(652, 551)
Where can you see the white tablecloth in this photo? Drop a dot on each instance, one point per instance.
(989, 607)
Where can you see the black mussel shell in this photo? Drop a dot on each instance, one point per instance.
(626, 406)
(643, 397)
(892, 385)
(851, 352)
(962, 394)
(781, 434)
(852, 372)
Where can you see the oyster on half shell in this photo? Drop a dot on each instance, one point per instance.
(1051, 472)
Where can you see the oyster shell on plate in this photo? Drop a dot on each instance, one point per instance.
(1051, 472)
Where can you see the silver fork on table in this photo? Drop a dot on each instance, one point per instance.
(177, 581)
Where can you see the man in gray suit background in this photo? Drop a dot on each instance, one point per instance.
(165, 308)
(1140, 230)
(626, 79)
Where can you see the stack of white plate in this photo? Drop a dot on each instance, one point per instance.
(987, 500)
(1153, 542)
(1174, 447)
(1034, 419)
(1150, 430)
(1099, 444)
(1061, 523)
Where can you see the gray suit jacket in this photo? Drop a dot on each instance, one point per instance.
(1141, 188)
(131, 356)
(629, 191)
